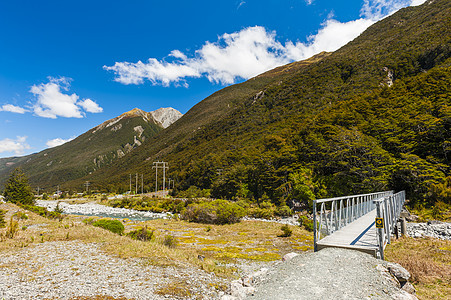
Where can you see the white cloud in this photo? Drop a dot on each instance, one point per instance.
(52, 102)
(18, 146)
(90, 106)
(241, 4)
(57, 142)
(379, 9)
(251, 51)
(417, 2)
(13, 109)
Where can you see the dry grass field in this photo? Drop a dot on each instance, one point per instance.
(429, 263)
(225, 250)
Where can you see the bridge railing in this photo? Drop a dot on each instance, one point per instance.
(388, 208)
(332, 214)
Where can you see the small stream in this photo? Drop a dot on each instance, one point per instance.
(98, 210)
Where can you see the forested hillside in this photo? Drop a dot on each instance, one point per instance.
(97, 148)
(371, 116)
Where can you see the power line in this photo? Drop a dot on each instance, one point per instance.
(160, 165)
(87, 184)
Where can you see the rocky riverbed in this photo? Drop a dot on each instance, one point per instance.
(435, 229)
(64, 270)
(94, 209)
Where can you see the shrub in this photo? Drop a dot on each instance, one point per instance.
(17, 189)
(12, 228)
(170, 241)
(214, 212)
(21, 215)
(89, 221)
(306, 222)
(43, 212)
(111, 225)
(284, 211)
(286, 231)
(2, 218)
(262, 213)
(141, 234)
(194, 192)
(58, 209)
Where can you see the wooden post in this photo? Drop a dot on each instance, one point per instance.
(403, 227)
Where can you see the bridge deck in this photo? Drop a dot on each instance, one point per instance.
(358, 235)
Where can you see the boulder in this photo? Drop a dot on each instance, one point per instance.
(403, 295)
(398, 272)
(434, 222)
(409, 288)
(289, 256)
(239, 291)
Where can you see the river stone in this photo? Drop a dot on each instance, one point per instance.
(289, 256)
(434, 222)
(399, 272)
(239, 291)
(409, 288)
(403, 295)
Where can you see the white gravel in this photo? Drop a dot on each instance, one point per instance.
(435, 229)
(94, 209)
(331, 273)
(62, 270)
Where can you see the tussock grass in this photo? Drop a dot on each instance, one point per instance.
(99, 297)
(178, 289)
(211, 250)
(428, 261)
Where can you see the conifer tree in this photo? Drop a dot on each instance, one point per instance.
(17, 189)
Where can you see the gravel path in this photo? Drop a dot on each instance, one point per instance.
(62, 270)
(331, 273)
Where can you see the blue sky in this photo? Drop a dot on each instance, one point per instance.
(67, 66)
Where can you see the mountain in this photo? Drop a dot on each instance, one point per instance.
(93, 150)
(373, 115)
(166, 116)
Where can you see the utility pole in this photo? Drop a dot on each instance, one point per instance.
(87, 184)
(164, 176)
(155, 166)
(162, 165)
(142, 183)
(130, 184)
(136, 188)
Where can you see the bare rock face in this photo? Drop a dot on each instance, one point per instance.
(166, 116)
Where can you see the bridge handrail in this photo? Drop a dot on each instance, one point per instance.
(346, 197)
(350, 209)
(389, 208)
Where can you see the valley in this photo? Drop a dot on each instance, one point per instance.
(219, 202)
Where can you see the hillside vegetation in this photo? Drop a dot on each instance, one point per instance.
(87, 153)
(372, 116)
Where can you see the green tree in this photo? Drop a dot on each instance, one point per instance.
(17, 189)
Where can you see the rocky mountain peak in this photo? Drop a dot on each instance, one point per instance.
(166, 116)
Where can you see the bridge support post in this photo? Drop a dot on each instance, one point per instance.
(403, 226)
(396, 229)
(315, 229)
(380, 231)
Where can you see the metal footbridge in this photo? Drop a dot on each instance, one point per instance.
(360, 222)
